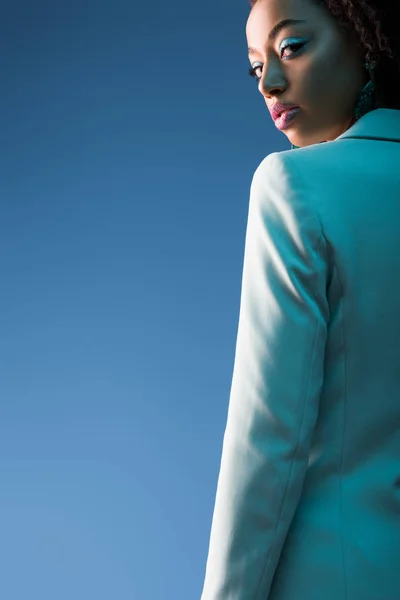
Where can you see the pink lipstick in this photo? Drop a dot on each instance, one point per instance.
(286, 118)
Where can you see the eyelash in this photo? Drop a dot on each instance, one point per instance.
(252, 70)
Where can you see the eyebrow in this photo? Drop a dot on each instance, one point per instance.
(276, 29)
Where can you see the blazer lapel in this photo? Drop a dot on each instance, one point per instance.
(379, 124)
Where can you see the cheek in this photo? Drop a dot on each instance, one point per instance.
(322, 75)
(313, 78)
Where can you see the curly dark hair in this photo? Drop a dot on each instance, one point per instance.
(374, 26)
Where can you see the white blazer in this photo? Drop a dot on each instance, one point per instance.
(307, 505)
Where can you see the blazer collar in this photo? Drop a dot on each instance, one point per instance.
(379, 124)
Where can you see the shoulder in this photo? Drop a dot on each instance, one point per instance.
(286, 167)
(282, 195)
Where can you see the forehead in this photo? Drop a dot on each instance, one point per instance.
(267, 13)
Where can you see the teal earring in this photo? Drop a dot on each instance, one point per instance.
(366, 98)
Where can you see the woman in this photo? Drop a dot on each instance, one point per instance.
(308, 499)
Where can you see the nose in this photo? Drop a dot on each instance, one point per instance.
(272, 82)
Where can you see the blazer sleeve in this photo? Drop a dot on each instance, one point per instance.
(276, 384)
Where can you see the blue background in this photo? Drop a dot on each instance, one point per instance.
(130, 133)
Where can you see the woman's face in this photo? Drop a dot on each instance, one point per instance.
(323, 76)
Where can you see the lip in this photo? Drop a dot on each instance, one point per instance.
(278, 108)
(286, 117)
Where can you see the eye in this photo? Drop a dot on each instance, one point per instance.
(253, 70)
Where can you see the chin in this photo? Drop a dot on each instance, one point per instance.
(303, 141)
(297, 142)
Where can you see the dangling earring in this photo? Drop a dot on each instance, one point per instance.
(366, 100)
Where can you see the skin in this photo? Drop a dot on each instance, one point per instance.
(324, 77)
